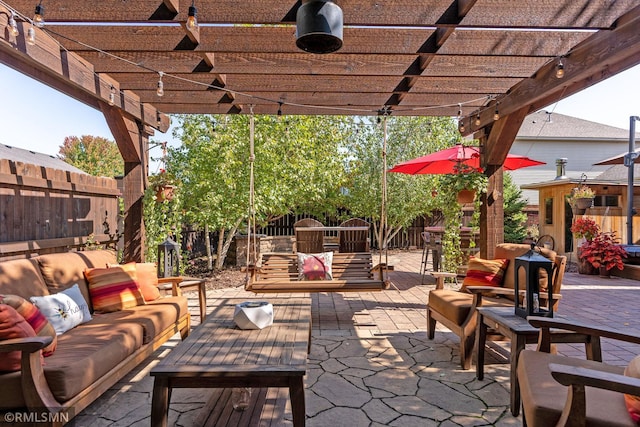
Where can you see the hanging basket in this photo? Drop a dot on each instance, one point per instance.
(584, 203)
(164, 192)
(466, 196)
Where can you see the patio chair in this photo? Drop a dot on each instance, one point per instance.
(309, 241)
(353, 240)
(456, 309)
(571, 391)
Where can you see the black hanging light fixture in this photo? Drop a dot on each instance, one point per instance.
(319, 26)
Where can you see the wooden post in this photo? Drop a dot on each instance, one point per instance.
(132, 139)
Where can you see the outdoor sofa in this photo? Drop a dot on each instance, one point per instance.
(89, 358)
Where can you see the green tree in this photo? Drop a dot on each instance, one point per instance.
(408, 196)
(515, 219)
(298, 167)
(95, 155)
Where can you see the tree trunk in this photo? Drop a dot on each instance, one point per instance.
(219, 259)
(225, 243)
(207, 243)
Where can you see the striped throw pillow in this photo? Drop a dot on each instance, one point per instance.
(114, 288)
(35, 318)
(485, 272)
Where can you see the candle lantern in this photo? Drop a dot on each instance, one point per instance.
(168, 258)
(531, 267)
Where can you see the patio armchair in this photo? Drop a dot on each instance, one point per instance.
(353, 240)
(309, 241)
(456, 309)
(572, 391)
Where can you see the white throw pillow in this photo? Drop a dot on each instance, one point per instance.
(60, 310)
(76, 295)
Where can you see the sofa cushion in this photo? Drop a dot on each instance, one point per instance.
(633, 402)
(511, 251)
(63, 270)
(22, 277)
(545, 398)
(35, 318)
(114, 288)
(154, 317)
(485, 272)
(12, 325)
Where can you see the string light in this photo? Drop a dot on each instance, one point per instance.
(477, 122)
(192, 20)
(461, 127)
(112, 95)
(38, 18)
(560, 69)
(13, 26)
(160, 90)
(279, 109)
(496, 114)
(31, 36)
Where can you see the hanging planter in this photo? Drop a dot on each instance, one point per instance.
(164, 192)
(584, 202)
(466, 196)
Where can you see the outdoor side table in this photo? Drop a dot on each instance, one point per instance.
(190, 283)
(519, 332)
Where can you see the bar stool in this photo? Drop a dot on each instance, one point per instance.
(435, 247)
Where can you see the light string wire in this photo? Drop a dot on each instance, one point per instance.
(279, 102)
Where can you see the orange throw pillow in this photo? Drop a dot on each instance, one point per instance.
(114, 289)
(633, 402)
(35, 318)
(12, 325)
(147, 278)
(485, 272)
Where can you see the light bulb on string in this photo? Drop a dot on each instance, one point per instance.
(160, 90)
(461, 127)
(496, 114)
(38, 17)
(560, 69)
(112, 95)
(31, 36)
(279, 110)
(13, 26)
(477, 122)
(192, 20)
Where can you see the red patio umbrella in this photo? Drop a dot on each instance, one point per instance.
(449, 161)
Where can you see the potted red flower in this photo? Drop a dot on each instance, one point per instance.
(584, 229)
(604, 253)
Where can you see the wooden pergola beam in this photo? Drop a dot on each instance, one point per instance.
(602, 55)
(69, 73)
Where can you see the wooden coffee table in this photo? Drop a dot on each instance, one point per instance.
(219, 354)
(520, 333)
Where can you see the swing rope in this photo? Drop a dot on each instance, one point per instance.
(251, 222)
(383, 205)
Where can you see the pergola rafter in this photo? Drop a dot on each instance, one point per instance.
(411, 57)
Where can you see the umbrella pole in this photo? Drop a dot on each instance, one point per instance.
(629, 162)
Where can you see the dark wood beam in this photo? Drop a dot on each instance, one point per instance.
(602, 55)
(66, 72)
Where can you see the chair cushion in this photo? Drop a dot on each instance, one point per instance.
(633, 402)
(511, 251)
(114, 288)
(34, 317)
(543, 397)
(315, 266)
(485, 272)
(456, 305)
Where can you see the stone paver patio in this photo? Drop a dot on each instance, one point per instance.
(371, 363)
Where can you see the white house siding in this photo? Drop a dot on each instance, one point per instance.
(581, 142)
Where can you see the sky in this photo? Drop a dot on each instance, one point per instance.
(38, 118)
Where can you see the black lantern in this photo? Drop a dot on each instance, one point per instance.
(533, 266)
(168, 258)
(319, 26)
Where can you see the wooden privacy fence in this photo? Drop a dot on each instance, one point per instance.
(44, 210)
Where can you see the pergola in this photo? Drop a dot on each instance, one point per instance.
(467, 58)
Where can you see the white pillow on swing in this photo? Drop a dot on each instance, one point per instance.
(315, 266)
